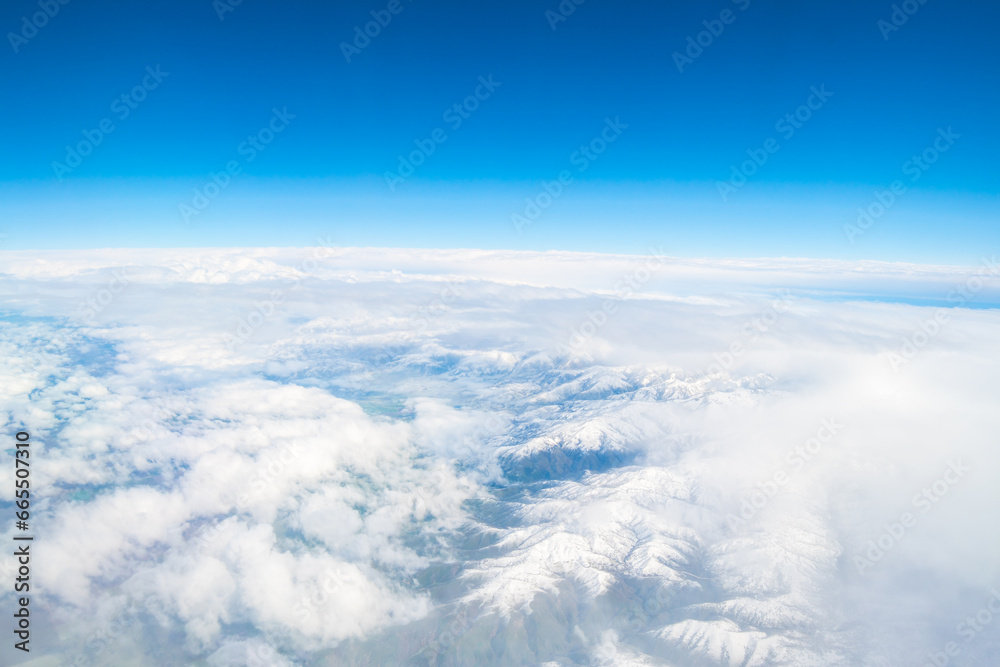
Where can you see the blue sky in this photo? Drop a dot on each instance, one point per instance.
(265, 91)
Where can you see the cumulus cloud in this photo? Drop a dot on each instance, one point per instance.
(287, 455)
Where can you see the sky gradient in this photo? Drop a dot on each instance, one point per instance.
(269, 124)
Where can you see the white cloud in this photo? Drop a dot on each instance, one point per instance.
(374, 456)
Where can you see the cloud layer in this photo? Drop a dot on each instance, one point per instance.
(350, 456)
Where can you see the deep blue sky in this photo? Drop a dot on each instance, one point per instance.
(324, 173)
